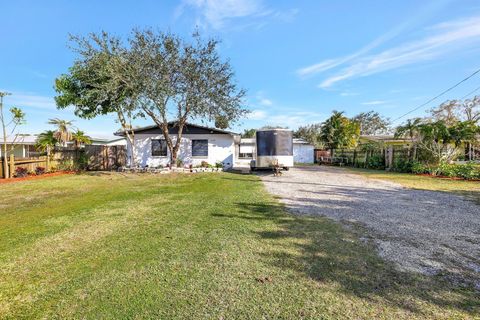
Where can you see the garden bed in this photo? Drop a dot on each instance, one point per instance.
(34, 177)
(170, 170)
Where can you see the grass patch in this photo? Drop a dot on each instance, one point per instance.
(193, 246)
(468, 189)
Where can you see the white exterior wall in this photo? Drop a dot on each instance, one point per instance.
(303, 153)
(221, 147)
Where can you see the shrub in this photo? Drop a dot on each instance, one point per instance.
(21, 172)
(219, 164)
(419, 168)
(179, 163)
(375, 162)
(466, 171)
(205, 164)
(39, 170)
(403, 165)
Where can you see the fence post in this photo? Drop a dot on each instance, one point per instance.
(12, 165)
(389, 158)
(47, 162)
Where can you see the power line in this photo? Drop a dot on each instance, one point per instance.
(473, 91)
(439, 95)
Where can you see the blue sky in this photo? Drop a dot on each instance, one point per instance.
(298, 60)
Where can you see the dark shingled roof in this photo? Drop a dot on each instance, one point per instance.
(189, 128)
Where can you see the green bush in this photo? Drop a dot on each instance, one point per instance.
(420, 168)
(466, 171)
(403, 165)
(375, 162)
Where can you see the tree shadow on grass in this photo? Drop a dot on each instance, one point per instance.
(325, 252)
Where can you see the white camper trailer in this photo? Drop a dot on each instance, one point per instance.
(273, 146)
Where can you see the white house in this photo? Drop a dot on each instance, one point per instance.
(198, 144)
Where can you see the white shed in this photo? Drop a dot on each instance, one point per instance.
(303, 152)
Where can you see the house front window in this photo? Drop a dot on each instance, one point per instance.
(200, 148)
(159, 148)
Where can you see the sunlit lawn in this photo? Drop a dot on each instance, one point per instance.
(213, 246)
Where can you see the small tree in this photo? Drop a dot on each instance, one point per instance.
(79, 138)
(46, 141)
(17, 117)
(446, 112)
(310, 133)
(410, 130)
(339, 131)
(249, 133)
(372, 123)
(436, 138)
(63, 132)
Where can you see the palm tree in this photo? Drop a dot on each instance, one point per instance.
(410, 130)
(46, 141)
(339, 131)
(63, 133)
(79, 138)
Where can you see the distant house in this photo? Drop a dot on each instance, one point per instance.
(118, 141)
(23, 146)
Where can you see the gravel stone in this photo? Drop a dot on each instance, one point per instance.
(421, 231)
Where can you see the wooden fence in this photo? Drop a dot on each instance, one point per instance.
(91, 157)
(360, 157)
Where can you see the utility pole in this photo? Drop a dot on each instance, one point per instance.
(2, 120)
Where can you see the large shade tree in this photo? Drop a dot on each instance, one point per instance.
(155, 75)
(182, 80)
(99, 82)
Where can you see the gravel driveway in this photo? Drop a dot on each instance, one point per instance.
(420, 231)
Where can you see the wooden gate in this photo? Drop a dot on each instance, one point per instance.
(105, 157)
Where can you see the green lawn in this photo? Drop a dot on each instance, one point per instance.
(469, 189)
(213, 246)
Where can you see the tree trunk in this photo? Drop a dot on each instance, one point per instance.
(5, 161)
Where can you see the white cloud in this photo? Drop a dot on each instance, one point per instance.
(31, 101)
(257, 115)
(426, 11)
(374, 103)
(295, 119)
(216, 13)
(349, 94)
(444, 38)
(266, 102)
